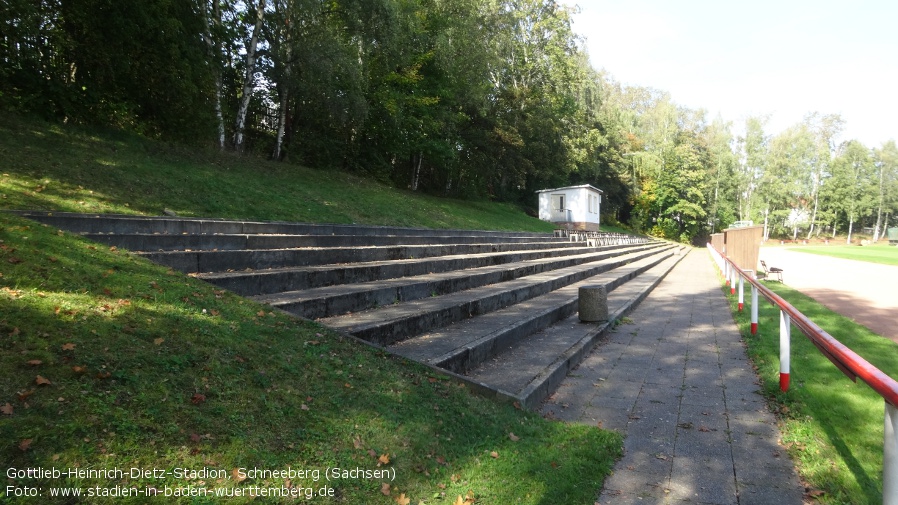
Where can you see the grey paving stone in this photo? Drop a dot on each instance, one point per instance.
(698, 432)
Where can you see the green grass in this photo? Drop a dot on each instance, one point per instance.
(879, 253)
(108, 361)
(54, 167)
(832, 427)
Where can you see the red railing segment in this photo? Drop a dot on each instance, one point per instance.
(849, 362)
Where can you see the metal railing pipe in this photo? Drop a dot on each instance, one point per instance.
(846, 360)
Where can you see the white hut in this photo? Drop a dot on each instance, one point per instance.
(572, 207)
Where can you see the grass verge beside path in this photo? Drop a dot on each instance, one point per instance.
(879, 253)
(831, 426)
(108, 361)
(66, 168)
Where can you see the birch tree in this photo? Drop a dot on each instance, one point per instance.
(886, 162)
(212, 36)
(825, 129)
(249, 77)
(851, 189)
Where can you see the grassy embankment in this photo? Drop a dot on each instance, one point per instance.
(110, 362)
(832, 427)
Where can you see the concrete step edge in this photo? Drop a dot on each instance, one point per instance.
(221, 261)
(563, 303)
(547, 382)
(330, 301)
(124, 223)
(386, 330)
(262, 282)
(234, 242)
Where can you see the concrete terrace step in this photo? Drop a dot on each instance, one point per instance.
(222, 242)
(125, 224)
(279, 280)
(220, 261)
(386, 325)
(464, 345)
(503, 318)
(531, 369)
(340, 299)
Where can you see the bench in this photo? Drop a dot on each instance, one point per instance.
(772, 270)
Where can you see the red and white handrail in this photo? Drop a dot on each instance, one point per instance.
(849, 362)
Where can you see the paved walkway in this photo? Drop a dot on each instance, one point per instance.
(859, 290)
(677, 382)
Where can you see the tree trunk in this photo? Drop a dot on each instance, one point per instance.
(876, 231)
(814, 213)
(248, 78)
(282, 120)
(416, 161)
(766, 229)
(850, 227)
(219, 117)
(214, 47)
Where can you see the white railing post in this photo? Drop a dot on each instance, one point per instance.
(741, 293)
(785, 328)
(754, 309)
(890, 457)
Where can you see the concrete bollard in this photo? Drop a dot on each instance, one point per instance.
(593, 303)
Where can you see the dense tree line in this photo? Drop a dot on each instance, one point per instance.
(464, 98)
(808, 182)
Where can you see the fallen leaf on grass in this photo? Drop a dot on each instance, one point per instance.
(158, 341)
(68, 347)
(467, 500)
(6, 409)
(513, 437)
(403, 500)
(494, 455)
(815, 493)
(35, 362)
(197, 399)
(237, 475)
(384, 459)
(25, 444)
(42, 381)
(385, 489)
(23, 395)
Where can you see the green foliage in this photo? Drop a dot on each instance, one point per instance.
(466, 99)
(130, 65)
(851, 190)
